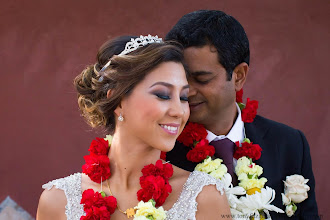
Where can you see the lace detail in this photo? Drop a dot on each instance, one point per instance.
(186, 206)
(184, 209)
(71, 185)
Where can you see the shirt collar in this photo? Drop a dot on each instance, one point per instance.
(236, 133)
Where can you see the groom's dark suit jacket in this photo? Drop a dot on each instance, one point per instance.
(285, 151)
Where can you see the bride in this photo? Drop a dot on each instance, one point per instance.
(138, 91)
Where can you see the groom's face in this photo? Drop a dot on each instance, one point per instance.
(211, 95)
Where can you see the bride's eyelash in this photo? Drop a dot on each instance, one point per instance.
(184, 98)
(163, 96)
(167, 97)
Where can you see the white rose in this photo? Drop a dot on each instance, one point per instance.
(295, 188)
(290, 210)
(285, 200)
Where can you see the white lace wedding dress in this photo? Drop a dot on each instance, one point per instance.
(183, 209)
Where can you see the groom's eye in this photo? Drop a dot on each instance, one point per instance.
(202, 80)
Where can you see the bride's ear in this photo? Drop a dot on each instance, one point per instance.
(118, 110)
(109, 93)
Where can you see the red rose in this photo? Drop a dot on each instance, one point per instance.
(97, 166)
(191, 133)
(163, 155)
(99, 147)
(200, 151)
(239, 96)
(250, 150)
(250, 111)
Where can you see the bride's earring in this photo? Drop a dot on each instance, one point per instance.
(120, 118)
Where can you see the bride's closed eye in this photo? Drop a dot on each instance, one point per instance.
(163, 96)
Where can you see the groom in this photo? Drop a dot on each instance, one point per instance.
(217, 55)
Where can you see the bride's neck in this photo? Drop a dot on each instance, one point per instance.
(127, 158)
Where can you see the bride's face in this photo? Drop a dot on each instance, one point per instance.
(157, 109)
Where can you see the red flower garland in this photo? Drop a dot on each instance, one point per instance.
(247, 149)
(192, 133)
(250, 111)
(194, 136)
(239, 96)
(96, 206)
(201, 151)
(97, 165)
(154, 182)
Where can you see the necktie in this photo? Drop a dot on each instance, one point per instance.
(224, 149)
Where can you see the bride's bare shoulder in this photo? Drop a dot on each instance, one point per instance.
(52, 204)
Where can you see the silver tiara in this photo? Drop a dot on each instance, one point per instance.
(133, 45)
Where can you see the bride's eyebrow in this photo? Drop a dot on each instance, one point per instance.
(167, 85)
(162, 83)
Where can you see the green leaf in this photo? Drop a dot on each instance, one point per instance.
(153, 202)
(247, 140)
(103, 194)
(294, 207)
(241, 105)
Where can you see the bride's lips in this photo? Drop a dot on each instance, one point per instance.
(195, 105)
(170, 128)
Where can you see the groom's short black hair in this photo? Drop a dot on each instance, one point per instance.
(203, 27)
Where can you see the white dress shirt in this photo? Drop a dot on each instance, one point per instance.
(236, 133)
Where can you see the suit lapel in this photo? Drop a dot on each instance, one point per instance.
(258, 133)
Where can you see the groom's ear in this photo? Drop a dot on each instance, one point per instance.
(239, 75)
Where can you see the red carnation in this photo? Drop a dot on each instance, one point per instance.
(201, 151)
(152, 188)
(239, 96)
(165, 170)
(99, 147)
(247, 149)
(250, 111)
(97, 166)
(191, 133)
(96, 206)
(165, 193)
(94, 213)
(163, 155)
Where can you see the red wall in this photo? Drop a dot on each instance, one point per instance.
(44, 44)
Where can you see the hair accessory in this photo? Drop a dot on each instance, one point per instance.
(133, 45)
(120, 118)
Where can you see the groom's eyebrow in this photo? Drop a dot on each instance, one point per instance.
(199, 73)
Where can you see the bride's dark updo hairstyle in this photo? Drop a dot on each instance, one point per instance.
(123, 74)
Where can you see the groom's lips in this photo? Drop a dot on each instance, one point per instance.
(195, 105)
